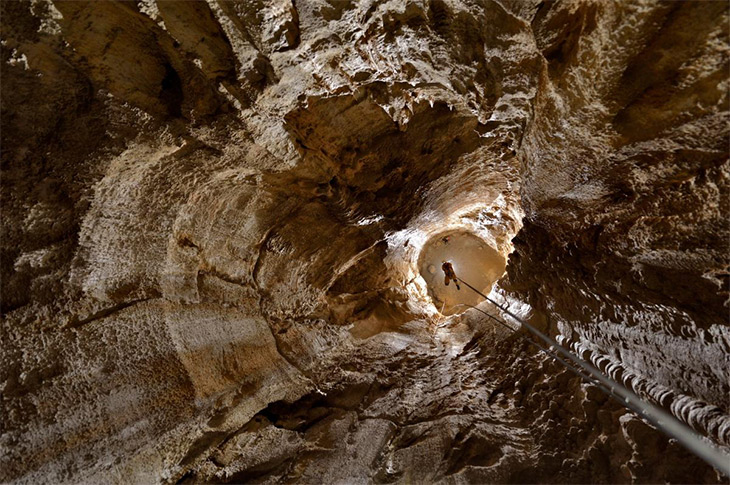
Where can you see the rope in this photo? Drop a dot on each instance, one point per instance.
(657, 416)
(574, 370)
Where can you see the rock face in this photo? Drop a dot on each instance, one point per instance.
(214, 215)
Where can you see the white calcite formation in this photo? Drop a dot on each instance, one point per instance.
(216, 217)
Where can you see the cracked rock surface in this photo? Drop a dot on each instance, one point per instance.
(218, 219)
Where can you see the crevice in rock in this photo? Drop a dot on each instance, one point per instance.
(76, 321)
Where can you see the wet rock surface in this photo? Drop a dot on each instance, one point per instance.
(213, 214)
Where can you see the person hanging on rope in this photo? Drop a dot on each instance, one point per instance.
(449, 274)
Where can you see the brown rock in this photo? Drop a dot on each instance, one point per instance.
(223, 227)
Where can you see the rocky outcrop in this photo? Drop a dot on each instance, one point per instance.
(215, 215)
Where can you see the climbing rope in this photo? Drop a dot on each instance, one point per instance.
(657, 416)
(573, 369)
(546, 351)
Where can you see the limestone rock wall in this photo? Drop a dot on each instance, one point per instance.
(625, 186)
(212, 214)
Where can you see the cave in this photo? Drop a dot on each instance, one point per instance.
(224, 224)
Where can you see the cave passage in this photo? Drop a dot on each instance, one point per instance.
(472, 258)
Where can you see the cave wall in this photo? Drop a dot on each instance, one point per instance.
(625, 188)
(213, 211)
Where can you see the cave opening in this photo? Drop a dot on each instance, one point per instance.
(473, 260)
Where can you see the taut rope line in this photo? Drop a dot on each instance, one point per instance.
(573, 369)
(661, 419)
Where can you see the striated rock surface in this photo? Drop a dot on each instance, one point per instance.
(218, 219)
